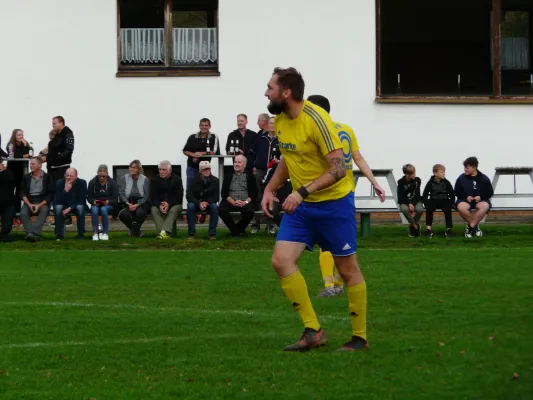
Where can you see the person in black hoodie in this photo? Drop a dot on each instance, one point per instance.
(438, 195)
(7, 209)
(410, 199)
(242, 140)
(203, 195)
(474, 191)
(37, 194)
(166, 196)
(60, 150)
(102, 195)
(264, 149)
(239, 192)
(19, 148)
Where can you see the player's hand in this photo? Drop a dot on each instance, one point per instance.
(477, 199)
(267, 203)
(292, 201)
(380, 192)
(470, 199)
(411, 209)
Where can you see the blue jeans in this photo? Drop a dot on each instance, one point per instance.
(211, 210)
(191, 176)
(104, 212)
(79, 211)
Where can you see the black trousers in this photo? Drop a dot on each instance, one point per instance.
(8, 215)
(133, 220)
(443, 205)
(247, 214)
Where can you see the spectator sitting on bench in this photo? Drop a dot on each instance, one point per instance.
(474, 191)
(439, 195)
(166, 196)
(37, 195)
(102, 195)
(134, 194)
(238, 195)
(7, 208)
(409, 199)
(203, 195)
(71, 196)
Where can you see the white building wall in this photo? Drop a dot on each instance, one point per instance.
(59, 57)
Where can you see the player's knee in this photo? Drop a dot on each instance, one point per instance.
(280, 262)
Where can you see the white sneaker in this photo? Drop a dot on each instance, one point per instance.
(103, 236)
(95, 236)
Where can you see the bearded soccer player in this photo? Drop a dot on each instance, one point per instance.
(333, 284)
(320, 210)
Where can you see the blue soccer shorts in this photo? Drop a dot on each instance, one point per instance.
(329, 224)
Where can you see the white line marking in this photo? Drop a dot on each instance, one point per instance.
(107, 342)
(169, 309)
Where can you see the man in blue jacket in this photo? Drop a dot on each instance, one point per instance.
(474, 191)
(71, 196)
(264, 150)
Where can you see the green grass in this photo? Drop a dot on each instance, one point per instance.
(448, 319)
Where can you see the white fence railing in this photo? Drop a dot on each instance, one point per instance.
(189, 45)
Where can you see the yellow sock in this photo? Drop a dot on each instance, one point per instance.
(295, 289)
(337, 278)
(326, 266)
(357, 307)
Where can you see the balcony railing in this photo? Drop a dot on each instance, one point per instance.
(190, 46)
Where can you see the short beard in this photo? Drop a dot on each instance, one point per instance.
(277, 107)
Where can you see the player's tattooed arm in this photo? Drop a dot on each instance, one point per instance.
(337, 168)
(336, 171)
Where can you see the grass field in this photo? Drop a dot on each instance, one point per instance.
(137, 319)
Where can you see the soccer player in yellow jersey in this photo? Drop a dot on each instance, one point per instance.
(320, 210)
(333, 284)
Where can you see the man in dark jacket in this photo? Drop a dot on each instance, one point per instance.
(241, 139)
(71, 196)
(203, 196)
(410, 199)
(166, 196)
(474, 191)
(239, 193)
(264, 149)
(438, 195)
(7, 208)
(60, 150)
(37, 195)
(199, 146)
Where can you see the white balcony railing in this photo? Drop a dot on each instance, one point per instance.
(189, 46)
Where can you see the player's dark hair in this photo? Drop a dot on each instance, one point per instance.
(408, 169)
(320, 101)
(38, 159)
(205, 120)
(471, 161)
(290, 78)
(60, 119)
(242, 115)
(438, 167)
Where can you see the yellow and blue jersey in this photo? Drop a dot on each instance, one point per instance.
(349, 145)
(304, 141)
